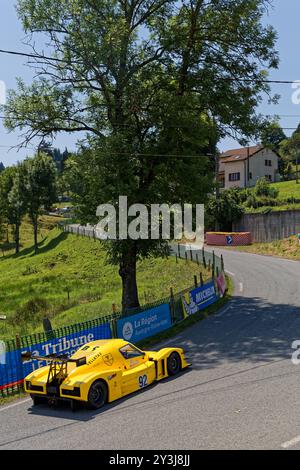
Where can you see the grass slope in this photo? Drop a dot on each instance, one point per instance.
(69, 263)
(287, 248)
(287, 190)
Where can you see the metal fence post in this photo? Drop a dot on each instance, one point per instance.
(172, 305)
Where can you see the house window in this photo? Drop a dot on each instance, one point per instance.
(268, 162)
(268, 178)
(234, 176)
(250, 175)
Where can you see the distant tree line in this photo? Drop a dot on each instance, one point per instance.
(25, 189)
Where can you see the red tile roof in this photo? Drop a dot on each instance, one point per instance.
(239, 154)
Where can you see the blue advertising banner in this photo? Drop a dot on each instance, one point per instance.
(12, 371)
(145, 324)
(199, 298)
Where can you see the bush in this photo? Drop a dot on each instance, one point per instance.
(225, 210)
(263, 188)
(32, 312)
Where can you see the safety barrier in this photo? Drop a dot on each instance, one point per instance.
(229, 239)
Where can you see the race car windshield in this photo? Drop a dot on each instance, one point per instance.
(129, 352)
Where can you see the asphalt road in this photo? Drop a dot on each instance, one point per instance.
(243, 392)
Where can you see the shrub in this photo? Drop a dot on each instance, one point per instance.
(32, 312)
(263, 188)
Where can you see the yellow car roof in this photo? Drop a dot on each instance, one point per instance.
(105, 346)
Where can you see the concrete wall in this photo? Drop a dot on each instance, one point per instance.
(270, 227)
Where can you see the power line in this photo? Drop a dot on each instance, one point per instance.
(246, 80)
(33, 56)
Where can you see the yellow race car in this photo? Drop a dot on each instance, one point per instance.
(100, 372)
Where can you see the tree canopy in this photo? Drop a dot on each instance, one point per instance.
(153, 84)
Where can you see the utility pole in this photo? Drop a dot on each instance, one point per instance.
(217, 171)
(248, 166)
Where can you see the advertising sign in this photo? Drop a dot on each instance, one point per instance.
(221, 282)
(145, 324)
(13, 371)
(199, 298)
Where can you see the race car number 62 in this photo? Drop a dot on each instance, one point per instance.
(143, 381)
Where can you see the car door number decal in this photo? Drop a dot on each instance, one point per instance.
(143, 381)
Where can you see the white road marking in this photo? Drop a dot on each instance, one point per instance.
(3, 408)
(231, 274)
(291, 443)
(241, 287)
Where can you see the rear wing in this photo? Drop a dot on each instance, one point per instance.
(53, 358)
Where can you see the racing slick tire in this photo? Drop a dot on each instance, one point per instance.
(97, 396)
(38, 400)
(173, 364)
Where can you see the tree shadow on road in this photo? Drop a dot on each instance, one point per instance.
(249, 330)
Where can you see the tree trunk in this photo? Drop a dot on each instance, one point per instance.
(17, 238)
(127, 272)
(35, 233)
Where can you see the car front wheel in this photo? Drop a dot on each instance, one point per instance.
(97, 395)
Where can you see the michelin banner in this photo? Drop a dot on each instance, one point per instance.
(199, 298)
(12, 371)
(145, 324)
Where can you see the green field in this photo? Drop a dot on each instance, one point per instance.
(288, 189)
(67, 263)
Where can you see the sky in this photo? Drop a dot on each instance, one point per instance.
(284, 17)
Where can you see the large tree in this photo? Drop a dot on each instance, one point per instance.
(149, 82)
(12, 199)
(39, 188)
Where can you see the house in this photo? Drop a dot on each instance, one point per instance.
(241, 168)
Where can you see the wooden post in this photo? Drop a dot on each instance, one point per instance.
(222, 262)
(176, 258)
(68, 293)
(203, 258)
(195, 281)
(209, 265)
(186, 257)
(198, 262)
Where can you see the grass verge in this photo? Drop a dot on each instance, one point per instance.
(288, 248)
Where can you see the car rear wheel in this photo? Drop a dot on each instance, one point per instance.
(38, 400)
(97, 395)
(174, 363)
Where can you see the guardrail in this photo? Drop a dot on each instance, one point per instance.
(134, 325)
